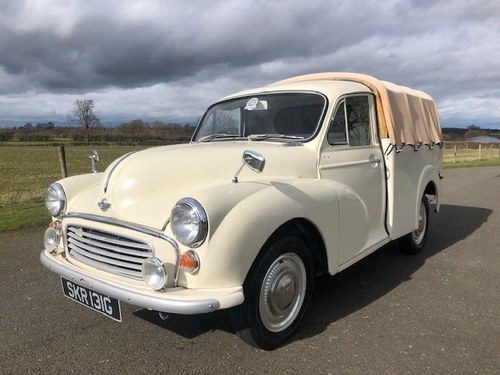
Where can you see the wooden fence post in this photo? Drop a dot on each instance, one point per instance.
(62, 161)
(480, 152)
(455, 154)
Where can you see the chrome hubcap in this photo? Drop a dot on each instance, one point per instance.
(282, 292)
(419, 233)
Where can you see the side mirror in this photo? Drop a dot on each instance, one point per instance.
(255, 161)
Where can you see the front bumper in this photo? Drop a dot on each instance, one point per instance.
(174, 300)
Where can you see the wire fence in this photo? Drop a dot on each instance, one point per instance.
(456, 152)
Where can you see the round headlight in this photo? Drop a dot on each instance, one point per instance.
(51, 239)
(154, 273)
(189, 222)
(55, 199)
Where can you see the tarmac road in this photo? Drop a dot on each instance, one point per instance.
(437, 312)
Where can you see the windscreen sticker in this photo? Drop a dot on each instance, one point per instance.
(252, 104)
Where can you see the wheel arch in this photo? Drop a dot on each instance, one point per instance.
(428, 185)
(432, 189)
(307, 232)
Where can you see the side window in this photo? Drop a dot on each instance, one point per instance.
(337, 131)
(358, 120)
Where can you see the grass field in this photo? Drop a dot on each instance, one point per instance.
(453, 155)
(26, 171)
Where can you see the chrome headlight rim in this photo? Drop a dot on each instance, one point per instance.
(154, 273)
(55, 199)
(189, 206)
(51, 239)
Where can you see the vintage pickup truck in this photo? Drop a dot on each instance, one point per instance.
(279, 184)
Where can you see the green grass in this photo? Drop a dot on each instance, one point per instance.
(474, 163)
(465, 155)
(26, 171)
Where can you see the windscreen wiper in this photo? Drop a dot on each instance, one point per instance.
(261, 137)
(211, 137)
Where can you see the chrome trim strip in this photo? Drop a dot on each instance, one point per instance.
(108, 177)
(135, 227)
(348, 164)
(131, 297)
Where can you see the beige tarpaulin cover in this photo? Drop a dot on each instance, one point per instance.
(405, 116)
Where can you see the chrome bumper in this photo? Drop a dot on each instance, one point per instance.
(176, 300)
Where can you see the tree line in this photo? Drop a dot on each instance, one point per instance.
(471, 131)
(132, 132)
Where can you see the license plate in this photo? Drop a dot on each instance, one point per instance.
(106, 305)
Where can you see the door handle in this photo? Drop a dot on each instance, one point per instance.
(374, 162)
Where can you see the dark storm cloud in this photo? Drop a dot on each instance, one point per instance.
(116, 48)
(193, 51)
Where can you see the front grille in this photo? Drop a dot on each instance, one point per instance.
(106, 251)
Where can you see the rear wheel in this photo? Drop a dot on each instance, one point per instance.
(277, 291)
(415, 241)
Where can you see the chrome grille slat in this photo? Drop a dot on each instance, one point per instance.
(107, 251)
(103, 260)
(101, 245)
(90, 262)
(107, 239)
(94, 254)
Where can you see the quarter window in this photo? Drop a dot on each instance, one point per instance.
(337, 132)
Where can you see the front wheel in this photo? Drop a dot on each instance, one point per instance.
(414, 242)
(277, 291)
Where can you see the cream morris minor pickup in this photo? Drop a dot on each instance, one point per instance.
(279, 184)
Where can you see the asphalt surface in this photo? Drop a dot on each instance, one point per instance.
(436, 313)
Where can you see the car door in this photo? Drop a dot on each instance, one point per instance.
(351, 157)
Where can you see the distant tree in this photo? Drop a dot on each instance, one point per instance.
(447, 137)
(473, 127)
(6, 135)
(157, 129)
(135, 129)
(83, 114)
(474, 131)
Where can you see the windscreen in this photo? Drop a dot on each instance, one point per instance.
(280, 115)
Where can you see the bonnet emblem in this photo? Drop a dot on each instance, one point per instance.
(104, 204)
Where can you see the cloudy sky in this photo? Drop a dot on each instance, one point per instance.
(170, 59)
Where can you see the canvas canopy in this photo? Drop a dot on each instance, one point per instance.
(405, 116)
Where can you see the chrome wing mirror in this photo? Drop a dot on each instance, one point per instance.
(255, 161)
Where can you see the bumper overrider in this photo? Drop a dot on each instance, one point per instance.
(171, 299)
